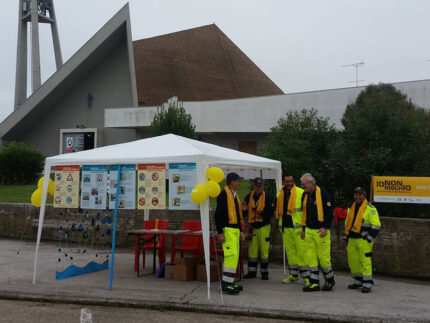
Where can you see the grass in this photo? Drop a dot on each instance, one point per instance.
(18, 193)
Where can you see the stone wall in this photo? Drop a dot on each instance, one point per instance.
(401, 249)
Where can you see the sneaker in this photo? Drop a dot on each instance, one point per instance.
(328, 286)
(354, 286)
(290, 279)
(250, 275)
(306, 281)
(312, 288)
(365, 290)
(238, 287)
(229, 288)
(265, 276)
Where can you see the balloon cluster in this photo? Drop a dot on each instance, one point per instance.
(36, 197)
(200, 192)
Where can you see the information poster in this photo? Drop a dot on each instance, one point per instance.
(151, 186)
(182, 179)
(66, 187)
(127, 187)
(398, 189)
(94, 187)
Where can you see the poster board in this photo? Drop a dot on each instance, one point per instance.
(127, 187)
(94, 187)
(182, 179)
(399, 189)
(151, 188)
(66, 187)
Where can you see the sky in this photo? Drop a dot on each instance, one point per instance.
(301, 45)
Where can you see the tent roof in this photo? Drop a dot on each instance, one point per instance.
(163, 149)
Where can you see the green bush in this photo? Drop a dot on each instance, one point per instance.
(20, 164)
(173, 119)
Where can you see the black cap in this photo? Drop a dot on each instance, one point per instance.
(360, 189)
(232, 177)
(258, 181)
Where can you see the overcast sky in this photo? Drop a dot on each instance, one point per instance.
(301, 45)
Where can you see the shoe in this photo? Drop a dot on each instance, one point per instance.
(229, 288)
(328, 286)
(265, 276)
(312, 288)
(238, 287)
(354, 286)
(365, 290)
(250, 275)
(290, 279)
(306, 281)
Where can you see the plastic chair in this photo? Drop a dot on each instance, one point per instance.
(161, 247)
(189, 243)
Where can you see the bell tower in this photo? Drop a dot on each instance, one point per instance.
(33, 12)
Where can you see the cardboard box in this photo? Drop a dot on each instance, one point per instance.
(191, 261)
(169, 271)
(201, 272)
(184, 272)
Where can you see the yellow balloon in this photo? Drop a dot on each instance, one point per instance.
(215, 173)
(40, 183)
(51, 186)
(213, 188)
(277, 194)
(199, 193)
(36, 198)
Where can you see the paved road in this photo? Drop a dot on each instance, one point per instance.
(23, 311)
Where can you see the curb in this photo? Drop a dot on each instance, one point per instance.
(201, 308)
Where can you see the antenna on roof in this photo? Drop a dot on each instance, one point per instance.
(356, 65)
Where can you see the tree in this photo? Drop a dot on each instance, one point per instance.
(173, 119)
(385, 134)
(301, 141)
(20, 164)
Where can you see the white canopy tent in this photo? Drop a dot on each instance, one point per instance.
(163, 149)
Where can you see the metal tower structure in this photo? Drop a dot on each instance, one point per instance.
(33, 12)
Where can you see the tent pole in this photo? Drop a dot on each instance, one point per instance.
(204, 217)
(112, 257)
(46, 175)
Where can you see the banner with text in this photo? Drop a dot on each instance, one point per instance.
(151, 191)
(66, 187)
(396, 189)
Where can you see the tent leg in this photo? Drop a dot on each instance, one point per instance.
(112, 258)
(46, 175)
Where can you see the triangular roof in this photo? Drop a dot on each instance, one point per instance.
(165, 149)
(197, 64)
(70, 74)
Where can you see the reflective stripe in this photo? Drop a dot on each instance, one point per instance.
(314, 269)
(252, 269)
(364, 233)
(327, 270)
(227, 279)
(368, 285)
(329, 275)
(367, 278)
(364, 225)
(263, 270)
(252, 260)
(293, 267)
(369, 237)
(298, 226)
(360, 276)
(304, 268)
(229, 270)
(314, 276)
(375, 227)
(298, 210)
(264, 261)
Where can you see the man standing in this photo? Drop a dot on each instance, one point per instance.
(316, 221)
(289, 213)
(362, 225)
(260, 211)
(228, 219)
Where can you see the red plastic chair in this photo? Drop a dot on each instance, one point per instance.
(161, 247)
(189, 243)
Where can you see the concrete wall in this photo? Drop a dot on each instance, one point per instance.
(109, 84)
(401, 249)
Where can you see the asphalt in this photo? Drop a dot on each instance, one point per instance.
(391, 300)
